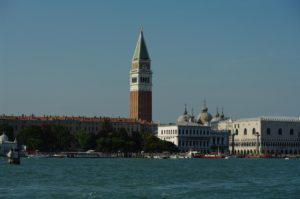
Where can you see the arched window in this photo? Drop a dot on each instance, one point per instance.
(245, 131)
(237, 132)
(268, 131)
(291, 131)
(253, 131)
(280, 131)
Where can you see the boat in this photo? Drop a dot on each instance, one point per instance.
(58, 155)
(13, 156)
(213, 156)
(82, 155)
(177, 157)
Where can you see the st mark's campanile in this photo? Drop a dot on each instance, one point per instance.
(141, 82)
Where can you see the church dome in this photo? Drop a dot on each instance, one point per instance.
(204, 117)
(3, 138)
(217, 117)
(184, 118)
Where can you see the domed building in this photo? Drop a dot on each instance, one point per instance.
(185, 118)
(6, 145)
(194, 135)
(204, 117)
(3, 138)
(217, 116)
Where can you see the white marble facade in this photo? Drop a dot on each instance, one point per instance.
(263, 135)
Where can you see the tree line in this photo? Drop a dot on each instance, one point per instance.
(56, 138)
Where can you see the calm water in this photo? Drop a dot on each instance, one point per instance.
(150, 178)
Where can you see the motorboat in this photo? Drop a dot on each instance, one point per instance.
(13, 156)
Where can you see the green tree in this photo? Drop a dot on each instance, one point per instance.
(46, 138)
(63, 138)
(152, 143)
(34, 144)
(82, 139)
(31, 136)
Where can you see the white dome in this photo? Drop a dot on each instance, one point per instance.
(216, 119)
(184, 118)
(3, 138)
(204, 117)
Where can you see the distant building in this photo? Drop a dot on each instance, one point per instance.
(188, 135)
(88, 124)
(265, 135)
(141, 83)
(6, 145)
(140, 104)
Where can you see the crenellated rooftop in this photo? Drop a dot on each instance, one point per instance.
(272, 118)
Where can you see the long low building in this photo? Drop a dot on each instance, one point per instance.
(189, 135)
(263, 135)
(88, 124)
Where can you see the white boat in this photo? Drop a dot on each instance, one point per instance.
(13, 156)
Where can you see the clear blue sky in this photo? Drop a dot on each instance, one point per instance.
(64, 57)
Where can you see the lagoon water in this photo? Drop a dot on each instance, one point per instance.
(150, 178)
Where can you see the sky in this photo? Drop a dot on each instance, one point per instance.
(71, 57)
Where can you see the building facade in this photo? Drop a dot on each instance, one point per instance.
(88, 124)
(6, 145)
(141, 82)
(189, 135)
(263, 135)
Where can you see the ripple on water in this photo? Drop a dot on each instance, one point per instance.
(147, 178)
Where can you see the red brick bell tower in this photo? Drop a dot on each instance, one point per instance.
(141, 82)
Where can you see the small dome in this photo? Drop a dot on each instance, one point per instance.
(3, 138)
(204, 117)
(222, 116)
(216, 119)
(184, 118)
(217, 116)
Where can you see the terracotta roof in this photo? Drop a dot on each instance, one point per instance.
(72, 118)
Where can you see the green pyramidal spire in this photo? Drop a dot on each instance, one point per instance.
(141, 52)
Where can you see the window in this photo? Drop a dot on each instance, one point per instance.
(144, 79)
(291, 131)
(268, 131)
(245, 131)
(253, 131)
(236, 131)
(280, 131)
(134, 80)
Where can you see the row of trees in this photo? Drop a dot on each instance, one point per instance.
(54, 138)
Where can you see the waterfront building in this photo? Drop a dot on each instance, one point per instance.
(141, 82)
(263, 135)
(88, 124)
(6, 145)
(189, 135)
